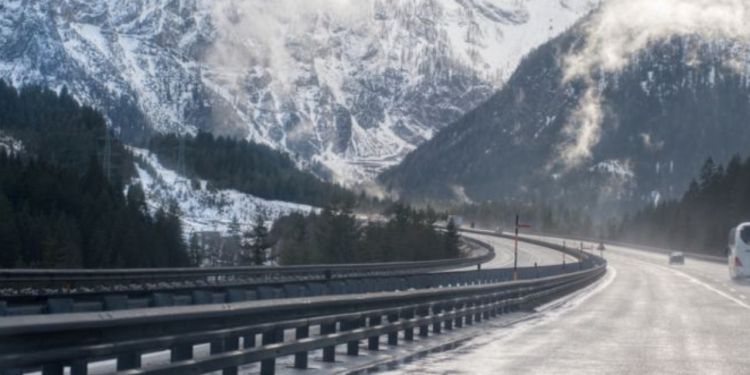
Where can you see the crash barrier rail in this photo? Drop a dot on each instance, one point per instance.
(289, 327)
(35, 286)
(653, 249)
(577, 253)
(122, 301)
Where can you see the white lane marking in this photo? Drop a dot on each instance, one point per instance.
(584, 294)
(554, 310)
(709, 287)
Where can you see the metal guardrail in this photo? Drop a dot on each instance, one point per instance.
(36, 286)
(113, 302)
(653, 249)
(293, 326)
(582, 256)
(77, 277)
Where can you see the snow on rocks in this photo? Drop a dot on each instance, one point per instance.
(203, 208)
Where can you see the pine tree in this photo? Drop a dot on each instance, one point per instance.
(10, 255)
(260, 241)
(195, 253)
(234, 229)
(452, 240)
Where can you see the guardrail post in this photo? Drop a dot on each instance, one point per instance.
(373, 342)
(352, 347)
(449, 321)
(217, 346)
(478, 304)
(268, 366)
(181, 352)
(225, 345)
(393, 336)
(248, 340)
(424, 329)
(300, 358)
(459, 319)
(470, 316)
(79, 367)
(53, 369)
(408, 332)
(438, 325)
(329, 352)
(128, 361)
(231, 344)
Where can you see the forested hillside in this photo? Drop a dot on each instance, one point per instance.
(245, 166)
(673, 105)
(700, 221)
(59, 207)
(542, 217)
(335, 236)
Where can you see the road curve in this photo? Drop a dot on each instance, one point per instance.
(527, 254)
(644, 317)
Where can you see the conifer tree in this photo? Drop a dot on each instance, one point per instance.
(452, 240)
(260, 241)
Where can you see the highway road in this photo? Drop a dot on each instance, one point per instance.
(527, 254)
(644, 317)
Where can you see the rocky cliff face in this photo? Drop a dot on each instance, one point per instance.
(346, 87)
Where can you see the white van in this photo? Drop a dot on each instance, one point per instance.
(739, 251)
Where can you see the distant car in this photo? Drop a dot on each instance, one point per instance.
(677, 258)
(739, 251)
(499, 230)
(601, 247)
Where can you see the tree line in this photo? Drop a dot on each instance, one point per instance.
(543, 217)
(700, 221)
(59, 206)
(336, 236)
(245, 166)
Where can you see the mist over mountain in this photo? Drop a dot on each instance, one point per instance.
(345, 87)
(596, 122)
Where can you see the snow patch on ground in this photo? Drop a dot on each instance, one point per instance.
(10, 144)
(614, 167)
(203, 208)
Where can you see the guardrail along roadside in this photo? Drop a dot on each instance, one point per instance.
(257, 333)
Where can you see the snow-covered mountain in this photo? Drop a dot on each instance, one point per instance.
(606, 141)
(347, 87)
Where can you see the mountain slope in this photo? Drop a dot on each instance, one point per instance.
(346, 87)
(674, 104)
(201, 207)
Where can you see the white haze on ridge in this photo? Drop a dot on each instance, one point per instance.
(286, 67)
(255, 31)
(621, 29)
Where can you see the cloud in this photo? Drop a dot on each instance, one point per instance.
(620, 30)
